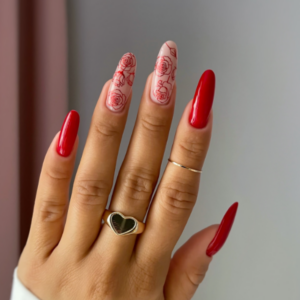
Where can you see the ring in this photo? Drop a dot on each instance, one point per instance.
(181, 166)
(122, 225)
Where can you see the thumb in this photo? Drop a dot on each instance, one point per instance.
(190, 262)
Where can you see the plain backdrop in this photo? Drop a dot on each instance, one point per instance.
(254, 48)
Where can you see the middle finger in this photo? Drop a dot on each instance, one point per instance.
(140, 170)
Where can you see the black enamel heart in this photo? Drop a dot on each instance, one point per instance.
(122, 225)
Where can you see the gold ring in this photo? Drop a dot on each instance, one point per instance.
(181, 166)
(122, 225)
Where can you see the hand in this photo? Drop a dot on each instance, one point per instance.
(69, 254)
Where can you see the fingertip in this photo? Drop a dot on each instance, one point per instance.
(198, 243)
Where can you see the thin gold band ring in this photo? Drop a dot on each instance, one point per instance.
(184, 167)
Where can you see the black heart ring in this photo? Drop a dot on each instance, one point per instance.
(122, 225)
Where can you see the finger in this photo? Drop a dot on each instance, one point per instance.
(95, 174)
(140, 170)
(177, 192)
(53, 190)
(190, 263)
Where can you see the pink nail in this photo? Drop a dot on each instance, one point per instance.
(164, 73)
(121, 85)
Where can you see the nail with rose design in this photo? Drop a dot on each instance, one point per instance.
(121, 85)
(164, 73)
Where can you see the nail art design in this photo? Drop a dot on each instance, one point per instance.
(173, 51)
(223, 231)
(121, 84)
(68, 134)
(203, 100)
(164, 73)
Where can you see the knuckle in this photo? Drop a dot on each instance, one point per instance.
(143, 278)
(105, 286)
(92, 192)
(194, 147)
(52, 210)
(65, 280)
(58, 173)
(178, 198)
(138, 184)
(102, 290)
(106, 130)
(195, 277)
(97, 291)
(153, 124)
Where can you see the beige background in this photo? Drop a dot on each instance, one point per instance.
(254, 48)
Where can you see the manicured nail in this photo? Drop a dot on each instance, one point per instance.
(164, 73)
(223, 231)
(203, 100)
(121, 85)
(68, 134)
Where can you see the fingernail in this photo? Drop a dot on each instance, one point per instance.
(223, 231)
(68, 134)
(121, 85)
(203, 100)
(164, 73)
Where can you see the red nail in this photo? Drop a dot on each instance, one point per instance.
(203, 99)
(223, 231)
(68, 134)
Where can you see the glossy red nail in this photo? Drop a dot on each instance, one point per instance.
(223, 231)
(68, 134)
(203, 99)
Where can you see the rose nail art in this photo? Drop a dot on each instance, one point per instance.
(121, 84)
(164, 73)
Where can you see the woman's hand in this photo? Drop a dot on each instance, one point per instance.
(69, 253)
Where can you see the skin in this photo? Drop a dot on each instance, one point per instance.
(69, 255)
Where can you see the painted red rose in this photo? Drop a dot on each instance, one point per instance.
(130, 79)
(162, 91)
(127, 62)
(118, 79)
(173, 76)
(116, 99)
(163, 66)
(172, 50)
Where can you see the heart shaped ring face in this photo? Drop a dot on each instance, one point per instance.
(122, 225)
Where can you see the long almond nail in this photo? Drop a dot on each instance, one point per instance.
(223, 231)
(164, 73)
(203, 100)
(68, 134)
(121, 85)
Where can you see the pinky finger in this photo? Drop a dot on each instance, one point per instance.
(189, 266)
(190, 263)
(53, 190)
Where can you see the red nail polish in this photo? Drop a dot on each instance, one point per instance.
(203, 99)
(68, 134)
(223, 231)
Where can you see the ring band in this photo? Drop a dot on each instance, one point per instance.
(122, 225)
(181, 166)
